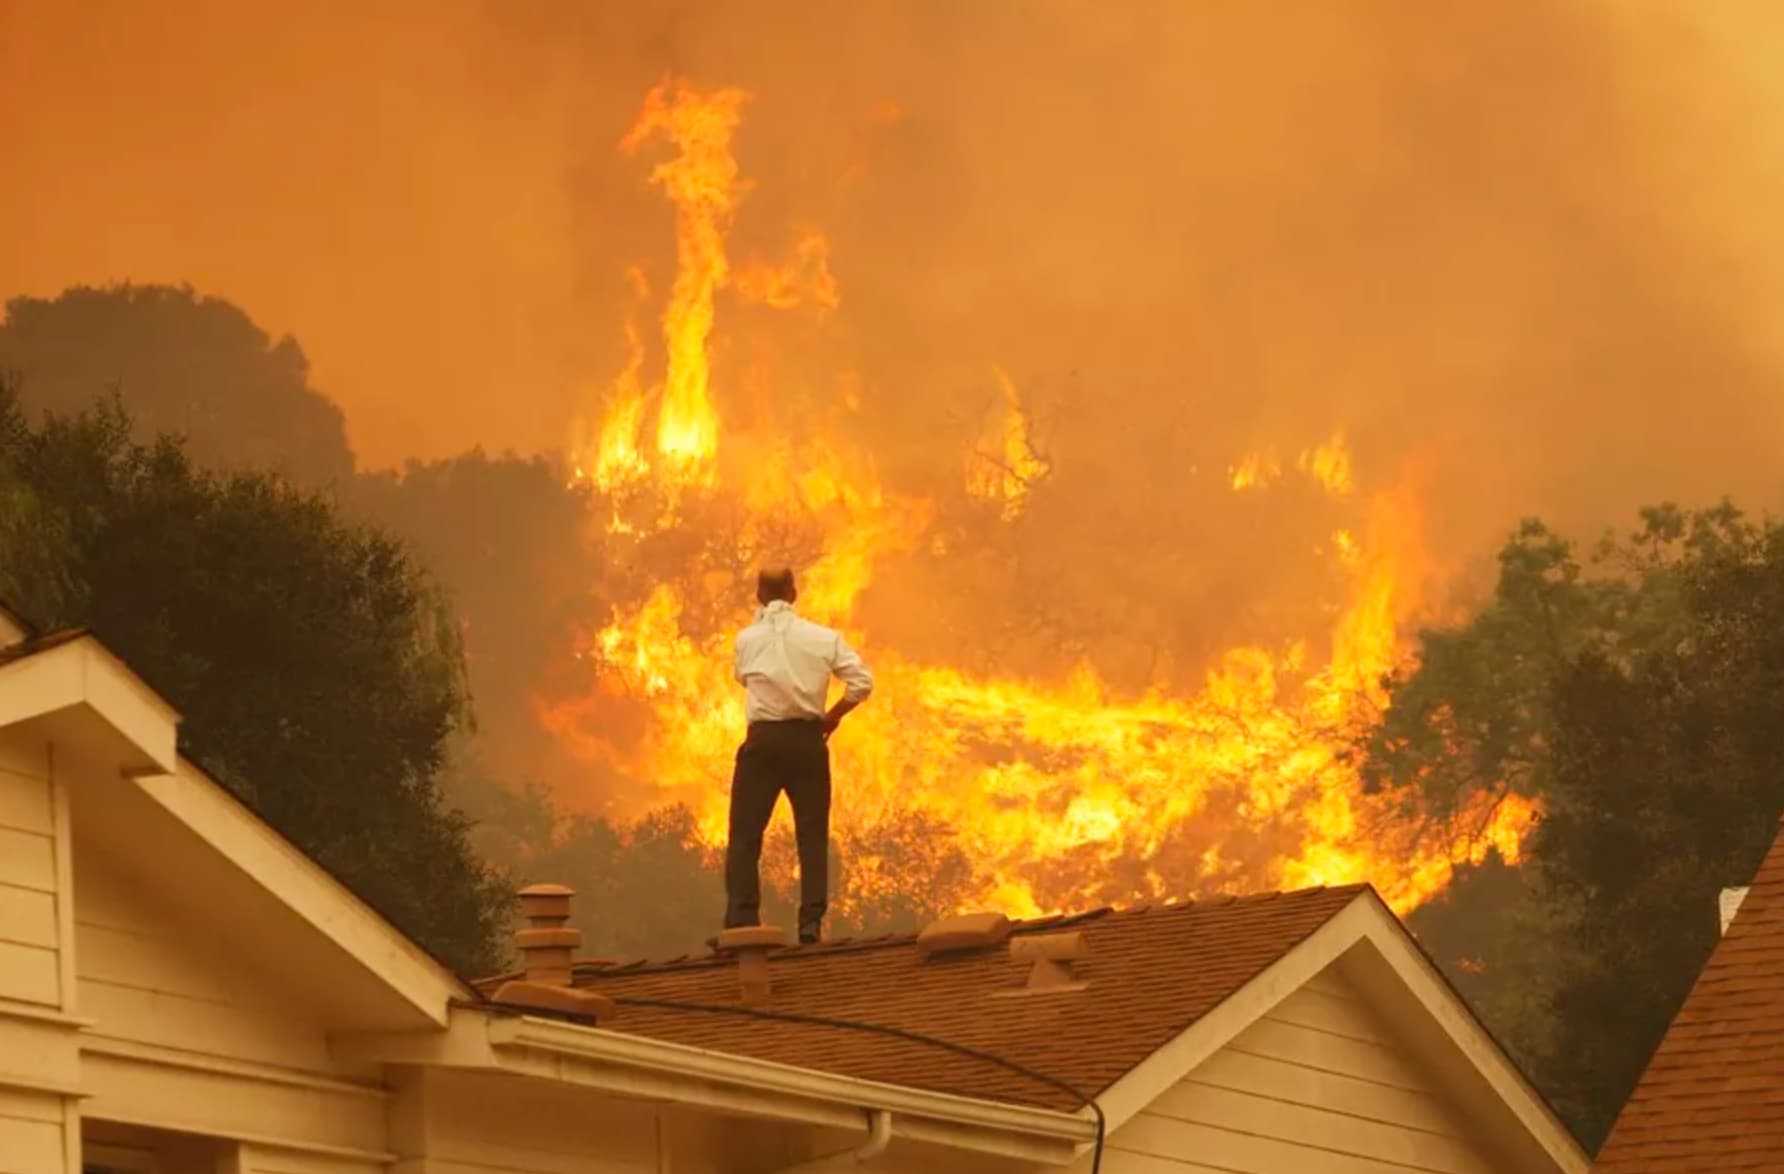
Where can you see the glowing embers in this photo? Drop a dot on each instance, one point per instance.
(1003, 467)
(1326, 465)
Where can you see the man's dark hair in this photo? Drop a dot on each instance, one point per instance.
(774, 583)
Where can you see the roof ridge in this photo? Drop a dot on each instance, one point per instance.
(599, 967)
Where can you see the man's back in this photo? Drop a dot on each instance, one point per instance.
(785, 662)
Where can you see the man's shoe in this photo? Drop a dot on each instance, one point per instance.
(810, 937)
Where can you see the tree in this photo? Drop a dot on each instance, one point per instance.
(508, 540)
(503, 535)
(1636, 697)
(648, 888)
(35, 551)
(316, 666)
(1475, 715)
(186, 365)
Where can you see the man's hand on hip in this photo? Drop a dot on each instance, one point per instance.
(834, 718)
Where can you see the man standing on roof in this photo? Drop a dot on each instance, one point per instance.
(785, 663)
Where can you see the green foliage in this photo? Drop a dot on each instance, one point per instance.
(1496, 942)
(35, 550)
(649, 889)
(510, 542)
(1636, 696)
(317, 668)
(1475, 715)
(188, 366)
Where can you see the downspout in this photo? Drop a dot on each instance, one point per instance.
(879, 1136)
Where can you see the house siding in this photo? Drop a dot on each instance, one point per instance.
(471, 1123)
(149, 980)
(1316, 1086)
(182, 1037)
(39, 1058)
(31, 878)
(31, 1132)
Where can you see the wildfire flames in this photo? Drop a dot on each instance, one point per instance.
(1059, 793)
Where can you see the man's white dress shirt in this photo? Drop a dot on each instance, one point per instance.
(785, 662)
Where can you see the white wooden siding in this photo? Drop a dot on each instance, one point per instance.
(147, 978)
(186, 1037)
(30, 885)
(477, 1123)
(31, 1133)
(1316, 1086)
(39, 1062)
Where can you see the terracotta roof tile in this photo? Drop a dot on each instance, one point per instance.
(1150, 974)
(1712, 1098)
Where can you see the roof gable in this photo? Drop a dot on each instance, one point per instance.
(1712, 1096)
(1375, 953)
(130, 790)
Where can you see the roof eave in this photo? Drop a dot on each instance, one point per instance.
(79, 695)
(191, 796)
(629, 1065)
(76, 690)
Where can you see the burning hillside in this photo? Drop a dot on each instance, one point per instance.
(1061, 791)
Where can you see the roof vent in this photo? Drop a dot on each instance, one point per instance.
(1729, 904)
(1052, 956)
(963, 931)
(546, 948)
(548, 943)
(751, 944)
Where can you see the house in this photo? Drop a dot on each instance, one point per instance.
(1712, 1095)
(182, 991)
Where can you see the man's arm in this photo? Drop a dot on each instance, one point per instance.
(857, 683)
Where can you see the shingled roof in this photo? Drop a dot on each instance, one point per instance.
(1712, 1097)
(1150, 974)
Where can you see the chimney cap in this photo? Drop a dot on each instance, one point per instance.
(751, 937)
(546, 904)
(752, 944)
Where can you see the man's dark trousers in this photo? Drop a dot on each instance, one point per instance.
(790, 756)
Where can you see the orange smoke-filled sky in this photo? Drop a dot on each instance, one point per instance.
(1540, 232)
